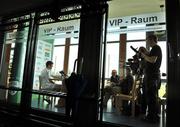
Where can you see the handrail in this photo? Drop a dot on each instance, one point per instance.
(41, 92)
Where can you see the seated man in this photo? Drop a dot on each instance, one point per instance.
(126, 87)
(114, 87)
(127, 83)
(47, 81)
(123, 86)
(115, 79)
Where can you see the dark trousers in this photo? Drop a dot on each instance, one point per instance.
(151, 93)
(143, 98)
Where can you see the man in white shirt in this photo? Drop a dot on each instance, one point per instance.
(47, 81)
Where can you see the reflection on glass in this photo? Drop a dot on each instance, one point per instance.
(12, 63)
(38, 102)
(3, 94)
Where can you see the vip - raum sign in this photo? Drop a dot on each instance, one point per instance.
(118, 24)
(137, 20)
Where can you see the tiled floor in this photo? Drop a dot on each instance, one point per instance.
(113, 116)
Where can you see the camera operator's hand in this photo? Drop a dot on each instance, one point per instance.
(151, 59)
(143, 50)
(143, 55)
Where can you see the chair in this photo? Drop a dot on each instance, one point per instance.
(61, 101)
(42, 91)
(131, 97)
(40, 88)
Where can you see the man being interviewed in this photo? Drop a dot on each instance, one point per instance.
(47, 80)
(118, 86)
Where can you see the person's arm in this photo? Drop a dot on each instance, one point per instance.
(150, 59)
(51, 81)
(56, 77)
(144, 50)
(49, 77)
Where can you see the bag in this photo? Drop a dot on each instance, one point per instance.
(76, 83)
(75, 86)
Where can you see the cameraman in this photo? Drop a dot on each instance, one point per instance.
(151, 77)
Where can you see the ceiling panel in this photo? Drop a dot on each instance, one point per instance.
(119, 8)
(13, 6)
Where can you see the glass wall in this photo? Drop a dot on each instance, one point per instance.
(57, 42)
(112, 58)
(73, 54)
(134, 23)
(163, 68)
(58, 58)
(12, 64)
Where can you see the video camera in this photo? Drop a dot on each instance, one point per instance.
(135, 62)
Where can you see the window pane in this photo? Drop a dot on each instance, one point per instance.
(12, 63)
(74, 40)
(113, 37)
(136, 36)
(53, 45)
(112, 58)
(163, 68)
(72, 56)
(58, 59)
(59, 41)
(43, 54)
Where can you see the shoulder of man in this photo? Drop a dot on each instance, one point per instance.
(157, 47)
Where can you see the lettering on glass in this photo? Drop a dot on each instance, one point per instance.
(136, 20)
